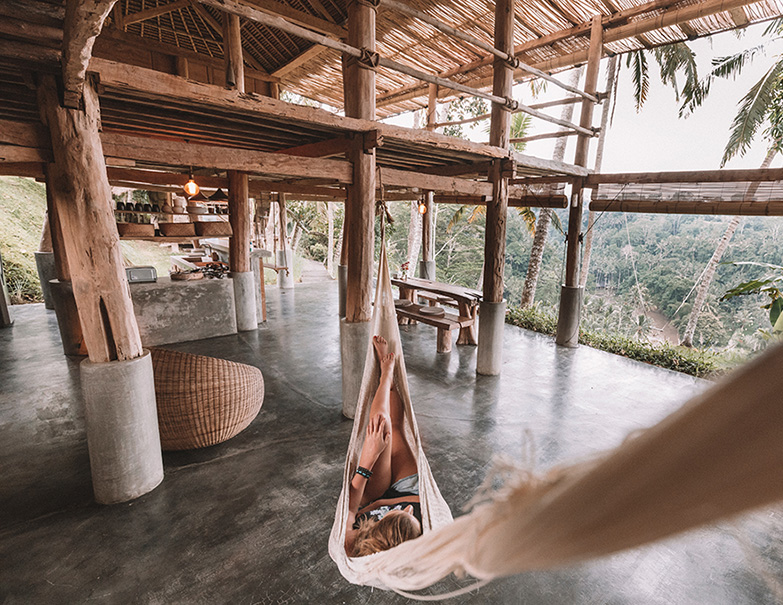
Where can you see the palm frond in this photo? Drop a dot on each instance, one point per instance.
(637, 61)
(674, 58)
(722, 67)
(456, 217)
(754, 109)
(529, 217)
(774, 27)
(520, 126)
(477, 212)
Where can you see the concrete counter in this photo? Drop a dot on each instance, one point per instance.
(177, 311)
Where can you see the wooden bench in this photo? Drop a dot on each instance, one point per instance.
(446, 323)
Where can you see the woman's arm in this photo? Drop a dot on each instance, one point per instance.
(376, 440)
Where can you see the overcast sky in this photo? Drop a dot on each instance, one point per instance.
(655, 139)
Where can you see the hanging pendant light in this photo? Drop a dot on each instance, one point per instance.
(422, 208)
(191, 187)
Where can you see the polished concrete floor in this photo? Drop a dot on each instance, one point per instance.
(248, 521)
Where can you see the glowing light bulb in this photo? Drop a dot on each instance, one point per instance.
(191, 188)
(422, 208)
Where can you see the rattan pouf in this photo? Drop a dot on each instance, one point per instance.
(201, 400)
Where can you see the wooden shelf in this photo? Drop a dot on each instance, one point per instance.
(171, 240)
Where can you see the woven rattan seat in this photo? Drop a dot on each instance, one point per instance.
(201, 400)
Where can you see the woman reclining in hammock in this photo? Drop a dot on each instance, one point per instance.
(384, 505)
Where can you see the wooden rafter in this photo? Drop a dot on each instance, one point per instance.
(153, 12)
(300, 18)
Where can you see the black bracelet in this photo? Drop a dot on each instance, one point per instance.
(364, 472)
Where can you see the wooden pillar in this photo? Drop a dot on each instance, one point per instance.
(89, 230)
(360, 207)
(427, 264)
(580, 157)
(489, 357)
(283, 218)
(432, 107)
(427, 228)
(239, 217)
(55, 228)
(232, 50)
(183, 69)
(570, 293)
(499, 134)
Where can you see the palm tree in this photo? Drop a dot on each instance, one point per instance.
(761, 108)
(520, 125)
(546, 214)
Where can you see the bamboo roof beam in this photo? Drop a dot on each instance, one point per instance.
(451, 31)
(298, 17)
(689, 176)
(373, 59)
(528, 201)
(546, 135)
(616, 29)
(729, 208)
(83, 22)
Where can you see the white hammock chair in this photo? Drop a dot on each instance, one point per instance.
(434, 510)
(718, 455)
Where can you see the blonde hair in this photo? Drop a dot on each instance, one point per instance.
(374, 536)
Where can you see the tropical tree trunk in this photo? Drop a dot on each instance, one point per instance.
(545, 215)
(414, 237)
(712, 265)
(599, 156)
(330, 239)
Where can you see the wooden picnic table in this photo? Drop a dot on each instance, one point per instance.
(465, 299)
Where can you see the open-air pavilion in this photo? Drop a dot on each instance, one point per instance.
(152, 94)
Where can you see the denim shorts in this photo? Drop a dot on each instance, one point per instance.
(407, 485)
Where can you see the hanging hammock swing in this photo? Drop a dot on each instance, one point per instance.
(720, 454)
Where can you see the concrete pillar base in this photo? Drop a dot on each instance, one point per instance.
(492, 319)
(285, 278)
(44, 262)
(67, 317)
(342, 286)
(122, 428)
(354, 340)
(568, 316)
(245, 300)
(427, 269)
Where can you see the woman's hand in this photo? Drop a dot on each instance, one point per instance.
(377, 439)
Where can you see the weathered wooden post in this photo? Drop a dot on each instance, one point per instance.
(285, 256)
(359, 76)
(239, 251)
(492, 309)
(232, 50)
(427, 262)
(570, 292)
(117, 380)
(61, 288)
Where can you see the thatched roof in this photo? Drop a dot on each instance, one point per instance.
(195, 27)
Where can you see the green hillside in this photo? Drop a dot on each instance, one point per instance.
(22, 209)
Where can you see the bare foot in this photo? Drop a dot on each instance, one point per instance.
(385, 359)
(381, 346)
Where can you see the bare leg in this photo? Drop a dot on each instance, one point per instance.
(382, 470)
(403, 462)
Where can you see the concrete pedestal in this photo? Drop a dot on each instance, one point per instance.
(122, 428)
(245, 300)
(285, 278)
(492, 320)
(342, 286)
(427, 269)
(354, 340)
(44, 262)
(5, 302)
(568, 316)
(68, 321)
